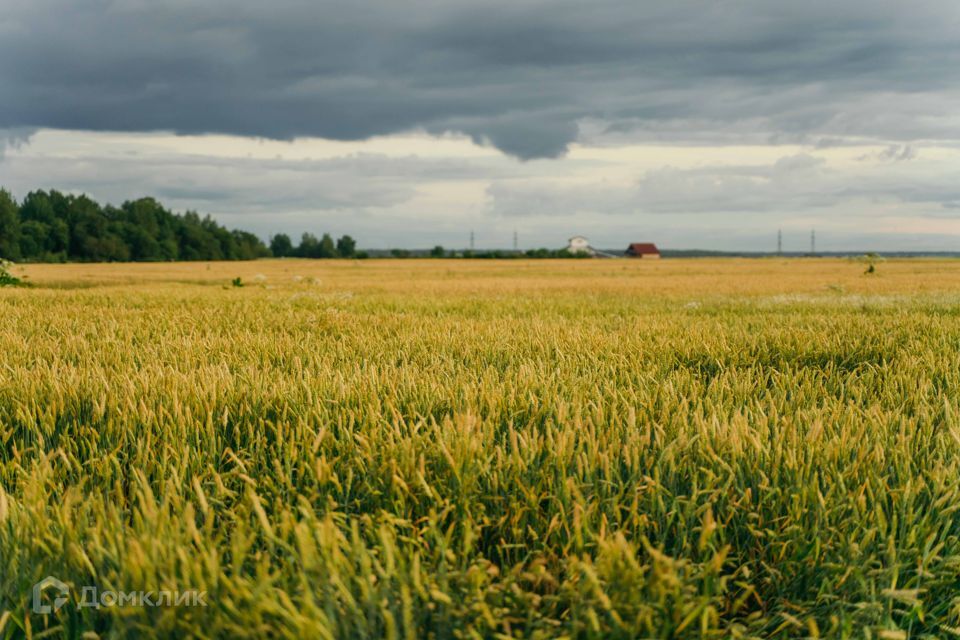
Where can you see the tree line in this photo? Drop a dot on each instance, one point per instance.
(50, 226)
(492, 254)
(311, 247)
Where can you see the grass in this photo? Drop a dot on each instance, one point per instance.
(454, 449)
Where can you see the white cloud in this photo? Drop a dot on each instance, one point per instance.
(420, 191)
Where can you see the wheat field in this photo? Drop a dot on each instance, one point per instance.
(484, 449)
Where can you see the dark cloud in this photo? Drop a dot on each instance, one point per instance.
(13, 138)
(522, 76)
(893, 153)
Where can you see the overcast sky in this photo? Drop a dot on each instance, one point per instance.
(690, 123)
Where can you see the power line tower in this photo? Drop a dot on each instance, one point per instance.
(471, 240)
(779, 242)
(515, 245)
(813, 242)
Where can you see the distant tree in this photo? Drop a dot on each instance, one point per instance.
(151, 230)
(195, 242)
(109, 248)
(346, 247)
(327, 248)
(248, 246)
(43, 236)
(9, 227)
(37, 207)
(281, 246)
(501, 254)
(33, 239)
(226, 241)
(437, 252)
(309, 246)
(399, 253)
(88, 228)
(58, 240)
(55, 227)
(143, 245)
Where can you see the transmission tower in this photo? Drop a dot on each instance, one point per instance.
(813, 242)
(471, 241)
(779, 242)
(515, 245)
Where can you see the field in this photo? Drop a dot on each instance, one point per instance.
(456, 449)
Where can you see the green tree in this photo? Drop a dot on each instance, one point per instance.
(9, 227)
(88, 228)
(142, 245)
(59, 240)
(346, 247)
(281, 246)
(33, 236)
(247, 246)
(53, 227)
(309, 246)
(149, 229)
(194, 242)
(437, 252)
(327, 248)
(37, 206)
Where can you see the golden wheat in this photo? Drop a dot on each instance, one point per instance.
(407, 449)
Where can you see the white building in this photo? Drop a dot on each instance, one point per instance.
(579, 244)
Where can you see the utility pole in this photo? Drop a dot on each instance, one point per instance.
(779, 242)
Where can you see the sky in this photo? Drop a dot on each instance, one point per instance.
(693, 124)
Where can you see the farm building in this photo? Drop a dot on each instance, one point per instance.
(642, 250)
(579, 244)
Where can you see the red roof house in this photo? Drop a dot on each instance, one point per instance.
(642, 250)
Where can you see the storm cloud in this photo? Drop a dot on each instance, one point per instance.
(528, 78)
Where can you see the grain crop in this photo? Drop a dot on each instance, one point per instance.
(484, 449)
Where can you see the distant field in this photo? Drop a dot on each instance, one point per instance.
(453, 449)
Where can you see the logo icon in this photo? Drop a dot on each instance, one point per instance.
(59, 590)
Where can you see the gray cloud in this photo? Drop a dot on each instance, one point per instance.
(245, 185)
(527, 77)
(390, 200)
(14, 138)
(893, 153)
(798, 183)
(371, 195)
